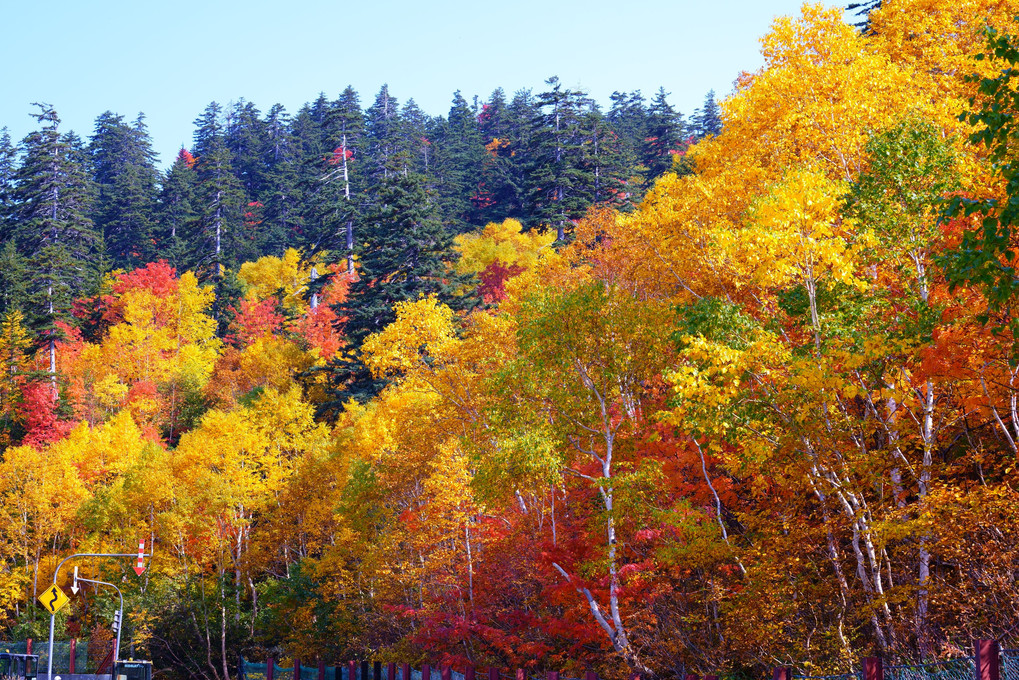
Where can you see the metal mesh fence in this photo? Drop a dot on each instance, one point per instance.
(1010, 664)
(855, 675)
(955, 669)
(61, 654)
(260, 671)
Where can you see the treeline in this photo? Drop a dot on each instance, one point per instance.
(254, 184)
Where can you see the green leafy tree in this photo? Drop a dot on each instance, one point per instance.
(986, 256)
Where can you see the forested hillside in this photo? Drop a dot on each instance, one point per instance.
(534, 384)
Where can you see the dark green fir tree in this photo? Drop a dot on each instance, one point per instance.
(125, 175)
(222, 238)
(459, 154)
(561, 183)
(403, 254)
(51, 228)
(707, 120)
(177, 214)
(282, 220)
(664, 137)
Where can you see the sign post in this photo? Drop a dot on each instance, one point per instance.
(54, 608)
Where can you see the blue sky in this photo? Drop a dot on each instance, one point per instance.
(170, 58)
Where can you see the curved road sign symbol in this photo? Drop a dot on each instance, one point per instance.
(53, 598)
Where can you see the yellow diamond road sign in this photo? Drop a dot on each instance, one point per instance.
(53, 599)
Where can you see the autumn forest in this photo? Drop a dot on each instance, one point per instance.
(538, 383)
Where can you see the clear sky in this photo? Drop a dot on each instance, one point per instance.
(170, 58)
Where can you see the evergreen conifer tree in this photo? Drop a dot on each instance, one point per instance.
(561, 182)
(417, 133)
(628, 118)
(177, 214)
(500, 193)
(51, 227)
(664, 137)
(220, 240)
(708, 119)
(245, 137)
(280, 195)
(605, 160)
(383, 137)
(345, 179)
(459, 157)
(403, 252)
(125, 175)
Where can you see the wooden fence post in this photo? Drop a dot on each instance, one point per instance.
(446, 673)
(873, 669)
(74, 653)
(321, 668)
(426, 672)
(352, 670)
(28, 646)
(988, 660)
(405, 671)
(469, 673)
(521, 675)
(297, 668)
(590, 675)
(390, 671)
(270, 668)
(493, 673)
(783, 673)
(364, 671)
(377, 670)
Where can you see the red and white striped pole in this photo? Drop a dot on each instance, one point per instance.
(140, 567)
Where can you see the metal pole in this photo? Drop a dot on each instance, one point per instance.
(120, 627)
(49, 660)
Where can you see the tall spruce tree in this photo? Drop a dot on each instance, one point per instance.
(605, 159)
(220, 240)
(500, 192)
(346, 176)
(707, 120)
(311, 148)
(8, 166)
(459, 157)
(417, 134)
(13, 278)
(561, 183)
(51, 203)
(280, 196)
(125, 175)
(178, 214)
(664, 136)
(628, 118)
(384, 138)
(403, 252)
